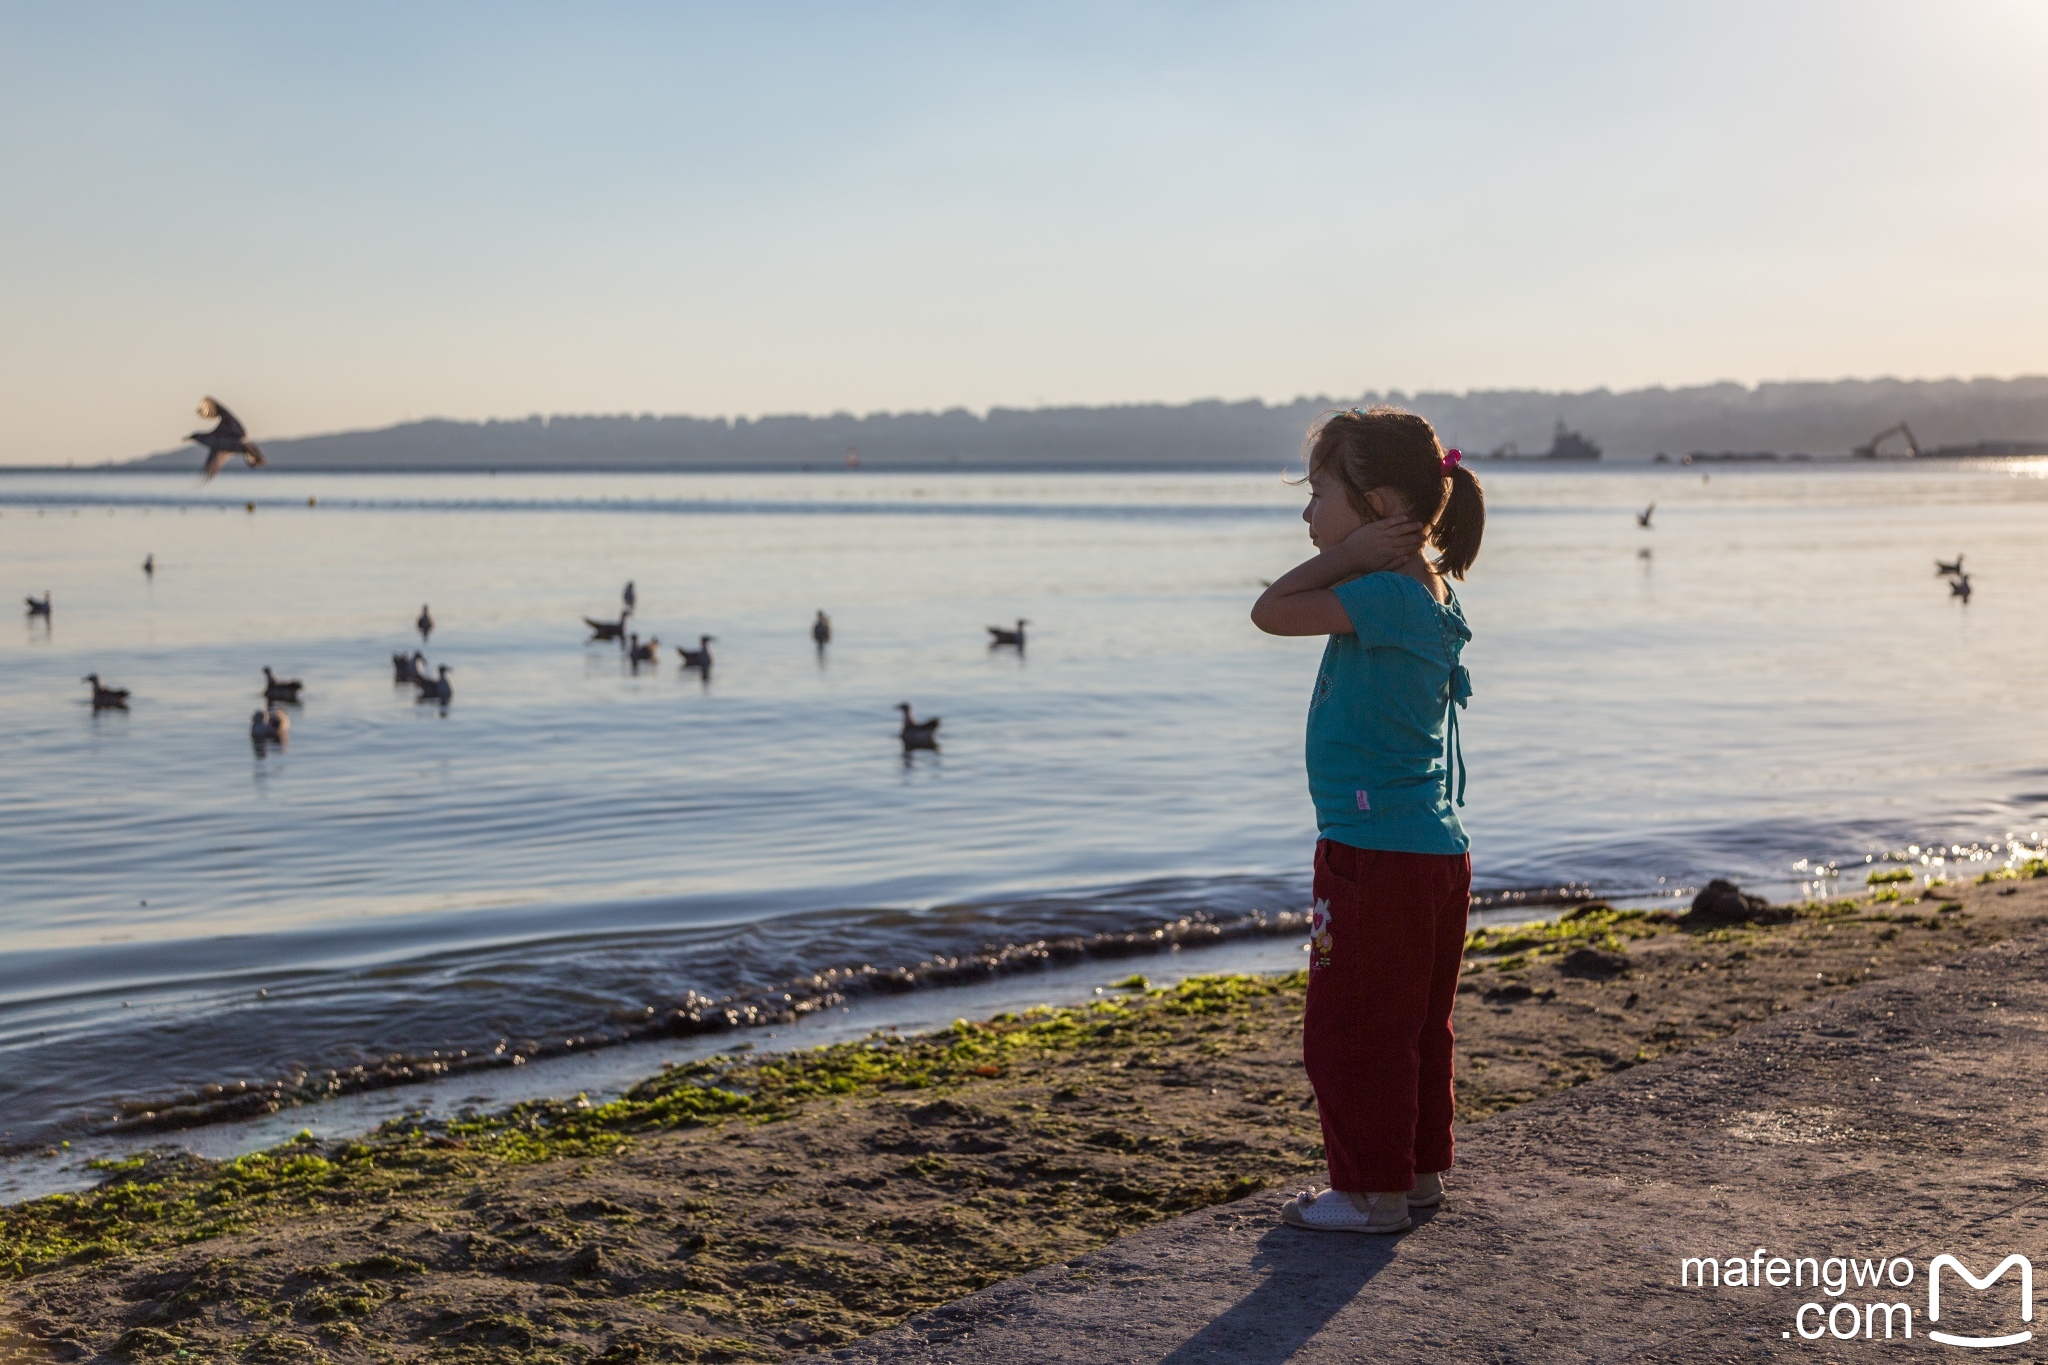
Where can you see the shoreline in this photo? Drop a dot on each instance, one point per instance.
(754, 1208)
(580, 1058)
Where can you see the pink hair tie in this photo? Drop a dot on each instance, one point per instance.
(1452, 459)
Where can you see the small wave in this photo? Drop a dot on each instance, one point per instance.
(696, 1013)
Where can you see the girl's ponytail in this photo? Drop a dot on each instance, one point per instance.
(1460, 525)
(1383, 447)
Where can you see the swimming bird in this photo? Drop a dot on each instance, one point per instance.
(1961, 587)
(918, 734)
(280, 689)
(1008, 637)
(437, 688)
(1948, 568)
(269, 727)
(407, 668)
(648, 652)
(629, 597)
(1643, 517)
(227, 438)
(700, 657)
(104, 697)
(41, 608)
(821, 630)
(426, 622)
(609, 630)
(149, 565)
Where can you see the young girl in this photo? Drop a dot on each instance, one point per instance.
(1392, 877)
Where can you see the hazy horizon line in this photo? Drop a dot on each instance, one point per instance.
(983, 413)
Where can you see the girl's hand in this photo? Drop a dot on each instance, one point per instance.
(1381, 545)
(1299, 602)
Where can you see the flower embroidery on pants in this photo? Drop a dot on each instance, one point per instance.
(1320, 939)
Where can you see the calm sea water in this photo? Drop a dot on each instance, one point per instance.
(1770, 680)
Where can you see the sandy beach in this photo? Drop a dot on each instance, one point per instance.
(753, 1209)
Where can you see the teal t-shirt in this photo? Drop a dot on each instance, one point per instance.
(1381, 723)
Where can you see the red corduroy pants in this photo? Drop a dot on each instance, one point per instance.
(1388, 937)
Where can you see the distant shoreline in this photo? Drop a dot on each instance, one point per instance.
(1482, 465)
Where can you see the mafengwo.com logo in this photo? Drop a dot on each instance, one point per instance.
(1880, 1298)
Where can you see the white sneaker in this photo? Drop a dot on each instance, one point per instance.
(1428, 1191)
(1338, 1211)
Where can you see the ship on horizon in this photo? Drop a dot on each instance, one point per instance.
(1565, 444)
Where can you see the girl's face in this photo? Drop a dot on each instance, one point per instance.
(1330, 515)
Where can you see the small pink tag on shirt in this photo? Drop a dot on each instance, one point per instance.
(1364, 803)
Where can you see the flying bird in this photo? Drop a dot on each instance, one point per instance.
(227, 438)
(1008, 637)
(1643, 517)
(918, 734)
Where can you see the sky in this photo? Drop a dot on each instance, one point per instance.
(336, 217)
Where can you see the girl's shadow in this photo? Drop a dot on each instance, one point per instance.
(1310, 1277)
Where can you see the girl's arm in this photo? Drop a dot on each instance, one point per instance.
(1300, 601)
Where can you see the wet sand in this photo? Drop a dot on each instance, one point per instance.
(744, 1209)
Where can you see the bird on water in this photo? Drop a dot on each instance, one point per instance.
(437, 688)
(106, 698)
(149, 565)
(39, 607)
(644, 652)
(1948, 568)
(269, 727)
(629, 597)
(280, 689)
(1961, 587)
(821, 630)
(1003, 637)
(1643, 517)
(700, 657)
(407, 668)
(609, 630)
(918, 734)
(425, 624)
(226, 439)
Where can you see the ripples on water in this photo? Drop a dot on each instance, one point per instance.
(1780, 683)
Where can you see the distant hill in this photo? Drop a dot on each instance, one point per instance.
(1821, 419)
